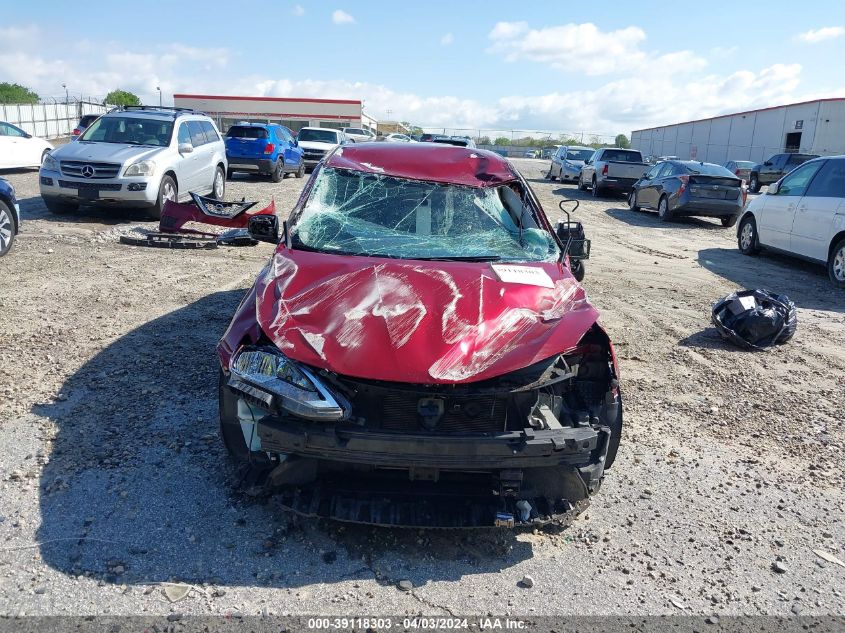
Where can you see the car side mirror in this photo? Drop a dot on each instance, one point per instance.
(264, 228)
(773, 188)
(768, 163)
(27, 135)
(185, 148)
(295, 143)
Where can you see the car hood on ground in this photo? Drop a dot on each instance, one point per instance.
(415, 321)
(317, 145)
(105, 152)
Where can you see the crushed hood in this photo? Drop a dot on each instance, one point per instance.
(417, 321)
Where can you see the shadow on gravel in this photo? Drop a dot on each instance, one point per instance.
(649, 218)
(709, 338)
(138, 487)
(33, 208)
(805, 283)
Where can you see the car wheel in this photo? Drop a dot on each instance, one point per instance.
(301, 171)
(233, 433)
(279, 172)
(632, 201)
(218, 187)
(747, 239)
(59, 207)
(550, 175)
(663, 210)
(836, 264)
(7, 228)
(167, 190)
(596, 191)
(729, 221)
(581, 185)
(754, 184)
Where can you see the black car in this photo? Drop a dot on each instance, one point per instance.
(689, 188)
(775, 168)
(430, 138)
(10, 217)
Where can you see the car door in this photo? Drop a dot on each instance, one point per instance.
(645, 190)
(778, 215)
(589, 168)
(202, 157)
(15, 148)
(294, 152)
(557, 162)
(186, 172)
(770, 171)
(815, 216)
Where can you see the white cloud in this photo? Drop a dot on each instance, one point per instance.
(342, 17)
(584, 48)
(821, 35)
(298, 10)
(447, 39)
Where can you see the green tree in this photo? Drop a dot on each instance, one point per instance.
(502, 140)
(483, 140)
(122, 97)
(622, 141)
(15, 93)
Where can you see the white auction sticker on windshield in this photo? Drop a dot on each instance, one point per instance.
(529, 275)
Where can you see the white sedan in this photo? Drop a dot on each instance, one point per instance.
(398, 138)
(21, 149)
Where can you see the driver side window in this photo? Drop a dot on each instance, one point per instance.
(795, 184)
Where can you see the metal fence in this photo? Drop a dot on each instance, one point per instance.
(49, 120)
(518, 137)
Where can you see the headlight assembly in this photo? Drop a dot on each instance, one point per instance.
(50, 163)
(141, 168)
(266, 374)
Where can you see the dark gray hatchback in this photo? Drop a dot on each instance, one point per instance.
(689, 188)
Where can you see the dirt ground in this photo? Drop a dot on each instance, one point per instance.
(114, 480)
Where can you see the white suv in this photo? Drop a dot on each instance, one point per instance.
(136, 157)
(802, 214)
(359, 134)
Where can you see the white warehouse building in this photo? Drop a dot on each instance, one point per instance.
(811, 127)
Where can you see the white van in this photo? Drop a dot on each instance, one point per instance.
(802, 214)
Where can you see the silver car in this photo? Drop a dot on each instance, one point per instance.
(567, 162)
(136, 157)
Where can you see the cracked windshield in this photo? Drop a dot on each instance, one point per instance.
(359, 213)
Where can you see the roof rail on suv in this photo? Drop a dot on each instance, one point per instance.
(152, 108)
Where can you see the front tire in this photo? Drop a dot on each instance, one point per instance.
(581, 185)
(836, 264)
(7, 228)
(300, 173)
(747, 239)
(663, 211)
(167, 190)
(595, 187)
(754, 184)
(729, 221)
(218, 185)
(632, 201)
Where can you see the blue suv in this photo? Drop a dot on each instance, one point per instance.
(267, 149)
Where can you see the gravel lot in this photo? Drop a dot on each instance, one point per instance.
(114, 480)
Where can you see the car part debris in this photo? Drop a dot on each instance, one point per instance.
(173, 232)
(755, 319)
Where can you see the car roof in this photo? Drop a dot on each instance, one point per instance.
(250, 124)
(423, 161)
(690, 163)
(329, 129)
(577, 147)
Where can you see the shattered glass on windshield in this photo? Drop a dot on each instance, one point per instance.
(358, 213)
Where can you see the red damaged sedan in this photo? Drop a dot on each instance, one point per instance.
(417, 351)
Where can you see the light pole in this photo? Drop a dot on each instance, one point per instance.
(66, 96)
(159, 95)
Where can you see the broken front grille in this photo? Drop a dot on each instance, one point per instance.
(418, 409)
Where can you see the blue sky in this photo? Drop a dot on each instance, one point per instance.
(595, 67)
